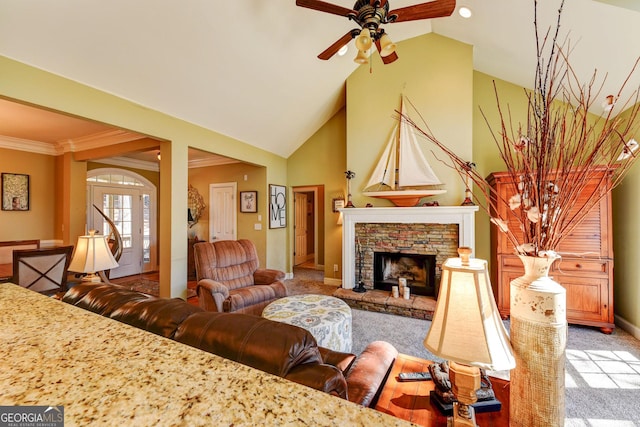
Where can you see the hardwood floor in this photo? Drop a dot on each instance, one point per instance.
(155, 277)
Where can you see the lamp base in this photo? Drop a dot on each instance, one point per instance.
(480, 407)
(92, 278)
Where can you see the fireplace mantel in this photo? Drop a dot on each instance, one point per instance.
(464, 216)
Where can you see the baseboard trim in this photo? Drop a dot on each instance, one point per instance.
(330, 281)
(627, 326)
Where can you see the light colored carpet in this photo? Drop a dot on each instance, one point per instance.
(602, 371)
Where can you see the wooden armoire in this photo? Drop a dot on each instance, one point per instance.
(586, 266)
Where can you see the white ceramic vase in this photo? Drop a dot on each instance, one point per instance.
(538, 336)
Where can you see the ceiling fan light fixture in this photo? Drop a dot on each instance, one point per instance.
(343, 50)
(387, 47)
(361, 57)
(364, 41)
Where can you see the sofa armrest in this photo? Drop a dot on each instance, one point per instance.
(323, 377)
(369, 372)
(338, 359)
(211, 294)
(266, 276)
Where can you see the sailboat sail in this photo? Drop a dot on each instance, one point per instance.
(413, 169)
(385, 171)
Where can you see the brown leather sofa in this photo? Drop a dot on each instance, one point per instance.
(277, 348)
(229, 279)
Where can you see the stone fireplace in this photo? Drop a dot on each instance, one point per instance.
(433, 233)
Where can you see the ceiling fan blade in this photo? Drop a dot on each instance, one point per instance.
(432, 9)
(386, 59)
(331, 50)
(326, 7)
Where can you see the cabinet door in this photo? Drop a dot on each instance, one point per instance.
(587, 298)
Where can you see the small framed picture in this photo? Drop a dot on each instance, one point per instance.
(277, 206)
(338, 204)
(248, 201)
(15, 192)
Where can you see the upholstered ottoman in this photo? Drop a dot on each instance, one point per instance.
(327, 318)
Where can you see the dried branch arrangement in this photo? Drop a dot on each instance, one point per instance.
(554, 157)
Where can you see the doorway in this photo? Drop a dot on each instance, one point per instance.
(308, 227)
(222, 212)
(129, 200)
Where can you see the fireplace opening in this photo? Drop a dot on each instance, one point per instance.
(418, 269)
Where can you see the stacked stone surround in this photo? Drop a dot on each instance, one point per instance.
(440, 240)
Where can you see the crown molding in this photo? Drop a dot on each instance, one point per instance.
(37, 147)
(213, 161)
(100, 139)
(131, 163)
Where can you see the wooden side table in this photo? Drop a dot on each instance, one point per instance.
(410, 400)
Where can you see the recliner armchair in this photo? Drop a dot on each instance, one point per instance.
(229, 279)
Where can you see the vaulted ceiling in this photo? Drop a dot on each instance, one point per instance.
(248, 68)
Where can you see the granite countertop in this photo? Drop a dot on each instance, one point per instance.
(107, 373)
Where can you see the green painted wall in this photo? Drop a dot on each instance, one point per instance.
(27, 84)
(436, 74)
(626, 247)
(486, 155)
(321, 161)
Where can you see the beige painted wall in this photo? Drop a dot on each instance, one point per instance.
(321, 161)
(40, 221)
(200, 178)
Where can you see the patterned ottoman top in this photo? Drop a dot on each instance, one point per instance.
(327, 318)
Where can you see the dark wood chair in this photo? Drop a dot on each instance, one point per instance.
(6, 255)
(42, 270)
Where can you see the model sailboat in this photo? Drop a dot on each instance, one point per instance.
(415, 179)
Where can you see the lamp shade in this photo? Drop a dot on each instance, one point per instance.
(364, 41)
(92, 254)
(387, 47)
(466, 326)
(361, 58)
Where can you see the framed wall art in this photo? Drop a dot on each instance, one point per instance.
(277, 206)
(15, 192)
(248, 201)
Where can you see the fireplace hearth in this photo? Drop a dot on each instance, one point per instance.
(419, 270)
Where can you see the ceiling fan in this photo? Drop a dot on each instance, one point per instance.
(369, 15)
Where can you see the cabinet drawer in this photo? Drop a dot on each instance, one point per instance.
(511, 262)
(578, 264)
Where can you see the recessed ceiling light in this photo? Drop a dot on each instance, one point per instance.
(465, 12)
(343, 50)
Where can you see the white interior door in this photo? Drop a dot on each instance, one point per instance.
(124, 207)
(300, 226)
(222, 211)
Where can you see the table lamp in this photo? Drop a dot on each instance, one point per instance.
(467, 331)
(92, 254)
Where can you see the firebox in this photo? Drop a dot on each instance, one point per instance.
(418, 269)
